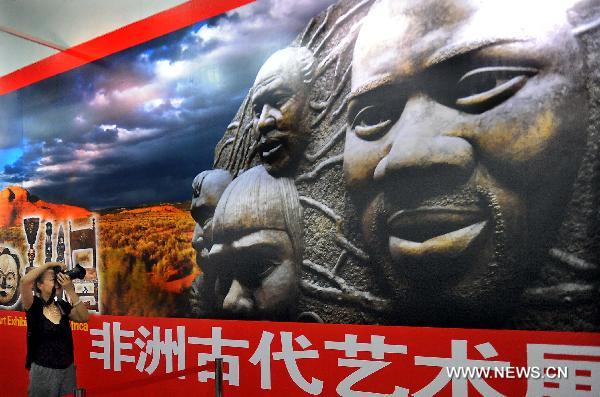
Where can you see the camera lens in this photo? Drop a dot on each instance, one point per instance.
(78, 272)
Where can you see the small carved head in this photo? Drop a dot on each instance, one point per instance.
(207, 188)
(257, 247)
(279, 102)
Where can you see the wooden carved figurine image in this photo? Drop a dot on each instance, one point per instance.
(10, 276)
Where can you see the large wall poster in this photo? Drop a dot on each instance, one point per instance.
(443, 157)
(371, 162)
(382, 162)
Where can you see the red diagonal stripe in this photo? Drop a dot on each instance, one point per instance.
(128, 36)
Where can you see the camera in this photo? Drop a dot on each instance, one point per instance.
(78, 272)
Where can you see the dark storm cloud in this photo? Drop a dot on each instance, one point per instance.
(137, 126)
(153, 173)
(100, 135)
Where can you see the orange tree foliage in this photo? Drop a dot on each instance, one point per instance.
(141, 252)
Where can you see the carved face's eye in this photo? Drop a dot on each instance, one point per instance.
(275, 98)
(484, 88)
(267, 269)
(371, 123)
(280, 98)
(371, 115)
(257, 109)
(252, 274)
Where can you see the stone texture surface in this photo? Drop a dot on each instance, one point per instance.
(339, 280)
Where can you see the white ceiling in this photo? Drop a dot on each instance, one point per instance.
(63, 24)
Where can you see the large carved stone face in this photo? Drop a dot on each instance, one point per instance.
(207, 188)
(9, 280)
(258, 273)
(466, 128)
(279, 100)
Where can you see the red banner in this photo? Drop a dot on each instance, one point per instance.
(159, 356)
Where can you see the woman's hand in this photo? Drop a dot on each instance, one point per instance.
(65, 282)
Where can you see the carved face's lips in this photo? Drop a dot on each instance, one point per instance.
(3, 293)
(270, 149)
(434, 232)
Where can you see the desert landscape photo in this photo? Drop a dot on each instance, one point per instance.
(145, 258)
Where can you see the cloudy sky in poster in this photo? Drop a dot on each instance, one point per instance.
(136, 127)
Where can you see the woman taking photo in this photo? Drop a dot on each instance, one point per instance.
(49, 339)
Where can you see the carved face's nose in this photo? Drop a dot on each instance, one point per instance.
(426, 155)
(267, 119)
(424, 151)
(238, 300)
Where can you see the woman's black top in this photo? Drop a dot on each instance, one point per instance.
(49, 345)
